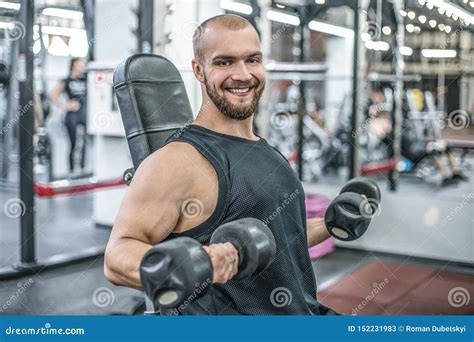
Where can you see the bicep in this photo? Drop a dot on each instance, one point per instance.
(151, 207)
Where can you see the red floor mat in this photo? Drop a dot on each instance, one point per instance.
(388, 288)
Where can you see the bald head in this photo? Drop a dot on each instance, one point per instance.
(226, 21)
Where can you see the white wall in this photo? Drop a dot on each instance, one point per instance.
(114, 21)
(339, 62)
(182, 23)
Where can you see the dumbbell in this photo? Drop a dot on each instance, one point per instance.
(349, 214)
(180, 269)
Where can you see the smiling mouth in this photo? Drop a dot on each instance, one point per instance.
(239, 91)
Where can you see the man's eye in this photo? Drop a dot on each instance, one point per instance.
(223, 63)
(254, 60)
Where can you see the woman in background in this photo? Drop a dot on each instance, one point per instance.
(75, 88)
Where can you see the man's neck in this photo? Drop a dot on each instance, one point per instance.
(218, 122)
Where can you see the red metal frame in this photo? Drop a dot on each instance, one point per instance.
(74, 187)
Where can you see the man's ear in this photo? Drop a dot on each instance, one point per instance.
(198, 70)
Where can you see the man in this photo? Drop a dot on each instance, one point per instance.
(215, 171)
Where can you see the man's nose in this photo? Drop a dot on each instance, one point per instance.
(241, 72)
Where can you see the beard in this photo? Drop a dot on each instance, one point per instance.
(236, 112)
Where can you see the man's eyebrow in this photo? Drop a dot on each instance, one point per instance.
(254, 54)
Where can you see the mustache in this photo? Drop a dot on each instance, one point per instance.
(255, 83)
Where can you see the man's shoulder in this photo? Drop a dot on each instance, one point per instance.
(175, 160)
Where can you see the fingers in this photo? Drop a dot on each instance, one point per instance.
(224, 259)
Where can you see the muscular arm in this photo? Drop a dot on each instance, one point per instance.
(55, 95)
(149, 212)
(316, 230)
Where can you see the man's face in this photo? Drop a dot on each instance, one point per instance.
(234, 76)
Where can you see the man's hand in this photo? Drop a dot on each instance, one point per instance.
(225, 261)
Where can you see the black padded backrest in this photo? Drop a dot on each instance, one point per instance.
(152, 100)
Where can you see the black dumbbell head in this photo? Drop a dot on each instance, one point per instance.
(254, 242)
(345, 219)
(369, 189)
(173, 271)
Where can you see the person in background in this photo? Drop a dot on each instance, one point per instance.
(75, 89)
(415, 150)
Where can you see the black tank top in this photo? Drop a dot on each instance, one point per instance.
(76, 89)
(255, 180)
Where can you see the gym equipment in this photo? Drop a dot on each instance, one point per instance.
(366, 187)
(75, 186)
(349, 214)
(180, 270)
(152, 101)
(4, 74)
(171, 270)
(254, 242)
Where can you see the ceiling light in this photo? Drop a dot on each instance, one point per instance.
(331, 29)
(60, 31)
(441, 27)
(9, 5)
(386, 30)
(421, 2)
(447, 29)
(377, 46)
(438, 53)
(403, 13)
(411, 15)
(406, 51)
(62, 13)
(236, 7)
(283, 18)
(417, 29)
(461, 13)
(429, 5)
(410, 28)
(422, 19)
(432, 23)
(6, 26)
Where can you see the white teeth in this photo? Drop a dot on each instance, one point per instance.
(239, 90)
